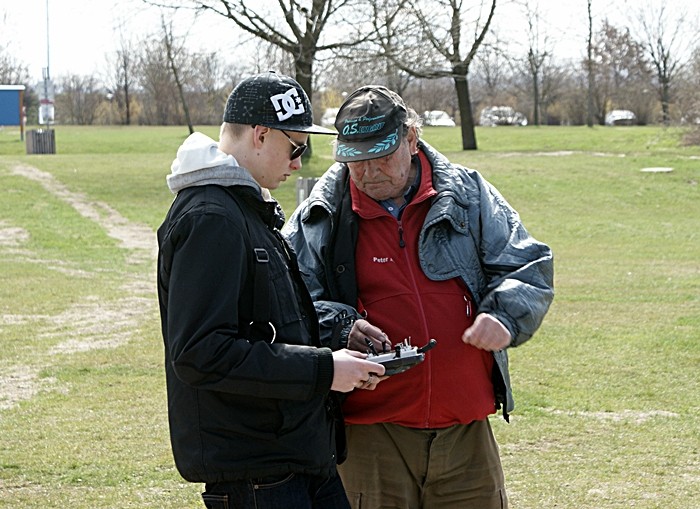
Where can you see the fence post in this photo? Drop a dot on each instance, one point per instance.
(304, 186)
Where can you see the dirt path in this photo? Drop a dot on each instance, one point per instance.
(92, 323)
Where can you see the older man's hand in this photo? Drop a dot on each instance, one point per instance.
(487, 333)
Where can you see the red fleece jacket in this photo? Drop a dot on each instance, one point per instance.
(453, 384)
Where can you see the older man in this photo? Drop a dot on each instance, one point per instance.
(396, 243)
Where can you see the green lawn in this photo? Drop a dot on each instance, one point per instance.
(607, 414)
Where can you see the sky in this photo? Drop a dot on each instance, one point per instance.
(81, 33)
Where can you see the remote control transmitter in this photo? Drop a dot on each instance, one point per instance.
(403, 358)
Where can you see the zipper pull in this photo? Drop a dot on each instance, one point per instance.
(401, 242)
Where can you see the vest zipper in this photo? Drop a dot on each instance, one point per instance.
(401, 241)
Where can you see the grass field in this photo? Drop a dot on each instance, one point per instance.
(607, 413)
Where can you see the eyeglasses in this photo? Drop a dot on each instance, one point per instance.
(298, 150)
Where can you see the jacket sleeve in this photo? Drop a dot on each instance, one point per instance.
(206, 275)
(518, 268)
(309, 238)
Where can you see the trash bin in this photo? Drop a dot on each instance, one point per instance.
(41, 141)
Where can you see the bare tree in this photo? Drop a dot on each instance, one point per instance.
(434, 94)
(431, 45)
(538, 92)
(211, 80)
(121, 79)
(492, 69)
(689, 99)
(572, 106)
(346, 68)
(79, 99)
(157, 84)
(589, 68)
(346, 72)
(537, 56)
(12, 71)
(665, 41)
(294, 26)
(181, 87)
(174, 55)
(621, 73)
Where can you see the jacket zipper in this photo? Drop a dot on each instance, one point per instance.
(417, 295)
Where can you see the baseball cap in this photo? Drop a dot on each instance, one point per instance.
(273, 100)
(370, 124)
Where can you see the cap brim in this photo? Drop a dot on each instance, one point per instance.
(311, 129)
(349, 151)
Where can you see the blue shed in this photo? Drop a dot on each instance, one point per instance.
(11, 110)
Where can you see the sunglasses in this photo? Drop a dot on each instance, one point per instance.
(298, 150)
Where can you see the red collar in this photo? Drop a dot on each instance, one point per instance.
(368, 208)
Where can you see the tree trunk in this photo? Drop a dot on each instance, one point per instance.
(536, 99)
(303, 67)
(465, 111)
(665, 101)
(181, 92)
(126, 86)
(127, 104)
(169, 41)
(589, 69)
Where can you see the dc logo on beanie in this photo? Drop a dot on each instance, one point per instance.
(287, 104)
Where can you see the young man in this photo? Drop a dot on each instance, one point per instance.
(249, 386)
(412, 246)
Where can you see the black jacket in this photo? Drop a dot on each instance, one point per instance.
(239, 406)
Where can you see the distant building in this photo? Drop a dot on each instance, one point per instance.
(11, 99)
(12, 107)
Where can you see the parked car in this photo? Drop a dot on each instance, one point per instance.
(438, 118)
(328, 117)
(501, 115)
(621, 117)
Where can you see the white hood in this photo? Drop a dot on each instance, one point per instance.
(199, 162)
(199, 151)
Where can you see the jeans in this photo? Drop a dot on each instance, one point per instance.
(293, 491)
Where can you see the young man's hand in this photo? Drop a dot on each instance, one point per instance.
(352, 371)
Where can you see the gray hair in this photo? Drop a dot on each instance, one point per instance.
(413, 119)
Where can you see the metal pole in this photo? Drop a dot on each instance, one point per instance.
(21, 115)
(45, 102)
(48, 54)
(47, 78)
